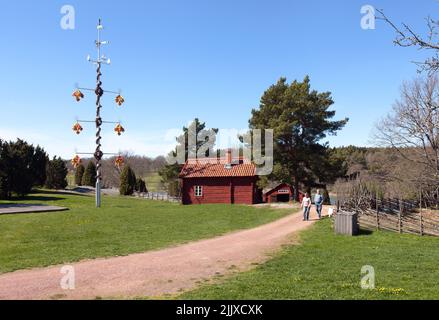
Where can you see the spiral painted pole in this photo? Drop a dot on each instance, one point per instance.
(99, 93)
(98, 153)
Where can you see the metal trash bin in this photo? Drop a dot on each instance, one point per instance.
(346, 223)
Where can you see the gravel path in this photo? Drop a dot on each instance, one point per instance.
(156, 273)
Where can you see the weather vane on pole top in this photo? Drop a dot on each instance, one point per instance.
(99, 92)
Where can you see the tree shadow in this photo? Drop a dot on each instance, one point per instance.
(39, 198)
(66, 193)
(365, 232)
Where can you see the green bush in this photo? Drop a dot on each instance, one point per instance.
(127, 181)
(89, 177)
(174, 188)
(56, 174)
(326, 197)
(141, 186)
(22, 166)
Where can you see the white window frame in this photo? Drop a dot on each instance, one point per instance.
(198, 190)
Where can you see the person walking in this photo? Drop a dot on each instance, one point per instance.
(306, 205)
(318, 201)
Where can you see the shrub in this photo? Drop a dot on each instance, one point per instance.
(89, 177)
(21, 167)
(174, 188)
(127, 181)
(141, 186)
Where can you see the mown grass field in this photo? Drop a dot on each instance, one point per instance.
(327, 266)
(122, 226)
(154, 182)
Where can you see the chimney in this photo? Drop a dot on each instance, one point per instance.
(229, 156)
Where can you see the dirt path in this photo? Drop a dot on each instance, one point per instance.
(156, 273)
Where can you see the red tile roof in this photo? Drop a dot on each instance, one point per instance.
(214, 167)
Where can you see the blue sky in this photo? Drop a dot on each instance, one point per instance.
(176, 60)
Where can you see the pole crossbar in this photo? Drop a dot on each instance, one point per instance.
(93, 90)
(103, 122)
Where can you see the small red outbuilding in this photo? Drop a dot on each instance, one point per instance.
(219, 180)
(281, 193)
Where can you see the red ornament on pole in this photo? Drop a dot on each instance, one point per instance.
(119, 129)
(77, 128)
(120, 100)
(76, 161)
(78, 95)
(119, 161)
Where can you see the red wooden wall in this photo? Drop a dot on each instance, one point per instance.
(231, 190)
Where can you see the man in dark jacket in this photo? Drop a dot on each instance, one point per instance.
(318, 201)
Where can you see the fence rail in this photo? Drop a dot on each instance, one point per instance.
(398, 215)
(159, 197)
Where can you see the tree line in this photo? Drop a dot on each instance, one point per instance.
(128, 182)
(141, 165)
(23, 167)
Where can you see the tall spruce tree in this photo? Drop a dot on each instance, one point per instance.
(169, 173)
(300, 118)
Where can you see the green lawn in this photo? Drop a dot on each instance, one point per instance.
(122, 226)
(326, 266)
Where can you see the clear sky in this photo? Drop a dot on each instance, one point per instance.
(176, 60)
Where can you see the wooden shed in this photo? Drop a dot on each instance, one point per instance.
(220, 180)
(281, 193)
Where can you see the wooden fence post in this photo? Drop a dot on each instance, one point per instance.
(377, 213)
(421, 227)
(399, 217)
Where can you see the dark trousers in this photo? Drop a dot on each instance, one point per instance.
(319, 208)
(306, 213)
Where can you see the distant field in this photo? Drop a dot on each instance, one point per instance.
(71, 179)
(327, 266)
(124, 225)
(153, 181)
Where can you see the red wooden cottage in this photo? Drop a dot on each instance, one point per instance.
(220, 180)
(281, 193)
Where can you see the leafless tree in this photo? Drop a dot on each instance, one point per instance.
(412, 129)
(407, 37)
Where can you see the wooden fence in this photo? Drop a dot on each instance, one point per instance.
(160, 197)
(398, 216)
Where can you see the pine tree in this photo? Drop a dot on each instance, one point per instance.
(301, 118)
(79, 174)
(127, 181)
(56, 174)
(89, 177)
(38, 166)
(141, 186)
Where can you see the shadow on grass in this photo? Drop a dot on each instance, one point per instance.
(365, 232)
(38, 198)
(66, 193)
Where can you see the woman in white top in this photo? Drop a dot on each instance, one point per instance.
(306, 205)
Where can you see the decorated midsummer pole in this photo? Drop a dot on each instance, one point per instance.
(99, 92)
